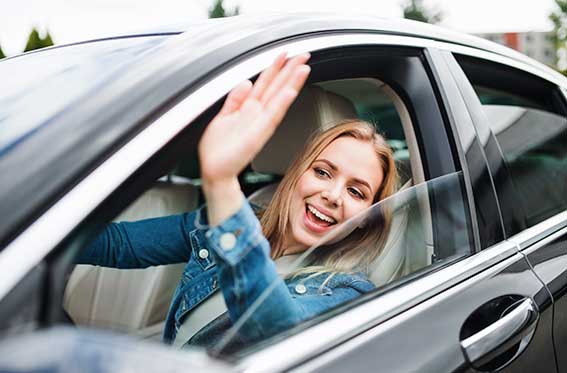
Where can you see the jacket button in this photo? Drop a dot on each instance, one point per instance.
(203, 254)
(227, 241)
(300, 289)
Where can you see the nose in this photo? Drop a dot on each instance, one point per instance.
(333, 195)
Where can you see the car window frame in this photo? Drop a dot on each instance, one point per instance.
(471, 146)
(480, 122)
(124, 166)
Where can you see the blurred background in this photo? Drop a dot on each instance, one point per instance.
(535, 28)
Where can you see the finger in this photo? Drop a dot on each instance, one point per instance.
(236, 97)
(281, 80)
(299, 77)
(277, 107)
(267, 76)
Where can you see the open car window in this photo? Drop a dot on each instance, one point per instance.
(405, 254)
(429, 226)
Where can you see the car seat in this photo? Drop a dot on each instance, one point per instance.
(133, 300)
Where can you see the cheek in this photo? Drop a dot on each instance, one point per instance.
(306, 186)
(297, 197)
(354, 207)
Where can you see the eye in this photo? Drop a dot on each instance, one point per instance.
(321, 172)
(356, 193)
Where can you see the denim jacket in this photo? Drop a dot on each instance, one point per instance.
(233, 256)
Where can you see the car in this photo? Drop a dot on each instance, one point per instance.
(473, 276)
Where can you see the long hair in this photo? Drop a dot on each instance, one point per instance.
(360, 248)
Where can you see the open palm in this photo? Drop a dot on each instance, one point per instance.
(249, 117)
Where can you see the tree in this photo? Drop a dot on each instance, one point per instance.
(47, 40)
(218, 11)
(415, 10)
(2, 55)
(35, 41)
(559, 34)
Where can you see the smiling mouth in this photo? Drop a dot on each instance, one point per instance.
(317, 218)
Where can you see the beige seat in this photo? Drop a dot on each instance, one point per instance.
(313, 109)
(317, 109)
(135, 300)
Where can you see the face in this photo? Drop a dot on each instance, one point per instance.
(341, 182)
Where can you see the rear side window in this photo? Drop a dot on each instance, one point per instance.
(528, 119)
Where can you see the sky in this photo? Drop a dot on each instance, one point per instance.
(76, 20)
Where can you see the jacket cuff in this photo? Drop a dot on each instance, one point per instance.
(236, 236)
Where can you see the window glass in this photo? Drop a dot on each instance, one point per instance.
(388, 259)
(526, 115)
(55, 78)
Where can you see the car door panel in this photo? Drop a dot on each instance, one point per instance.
(21, 309)
(427, 337)
(549, 260)
(545, 255)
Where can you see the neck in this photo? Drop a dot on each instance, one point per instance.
(289, 247)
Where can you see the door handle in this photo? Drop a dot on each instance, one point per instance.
(515, 327)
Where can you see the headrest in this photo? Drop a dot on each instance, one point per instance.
(313, 109)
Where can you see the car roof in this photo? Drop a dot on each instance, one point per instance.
(247, 26)
(300, 23)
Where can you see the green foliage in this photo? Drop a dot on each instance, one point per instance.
(415, 10)
(35, 41)
(2, 55)
(559, 19)
(218, 10)
(48, 41)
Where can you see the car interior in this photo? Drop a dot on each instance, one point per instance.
(144, 294)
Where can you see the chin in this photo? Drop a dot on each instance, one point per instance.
(308, 240)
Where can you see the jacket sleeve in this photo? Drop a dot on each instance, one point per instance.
(143, 243)
(258, 300)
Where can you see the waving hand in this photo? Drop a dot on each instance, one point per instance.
(247, 120)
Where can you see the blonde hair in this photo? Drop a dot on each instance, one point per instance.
(361, 247)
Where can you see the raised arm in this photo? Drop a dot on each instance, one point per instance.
(245, 123)
(247, 120)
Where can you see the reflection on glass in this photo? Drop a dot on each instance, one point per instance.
(534, 145)
(419, 227)
(57, 78)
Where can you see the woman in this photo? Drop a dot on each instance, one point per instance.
(340, 173)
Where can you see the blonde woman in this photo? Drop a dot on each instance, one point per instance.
(340, 173)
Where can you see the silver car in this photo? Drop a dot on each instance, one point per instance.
(473, 276)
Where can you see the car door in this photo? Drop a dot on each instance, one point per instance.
(523, 114)
(479, 306)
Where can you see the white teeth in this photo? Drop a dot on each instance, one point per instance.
(320, 215)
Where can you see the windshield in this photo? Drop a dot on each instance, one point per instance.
(419, 227)
(38, 85)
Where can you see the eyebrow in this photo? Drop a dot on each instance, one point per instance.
(335, 168)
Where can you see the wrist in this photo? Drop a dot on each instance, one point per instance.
(224, 198)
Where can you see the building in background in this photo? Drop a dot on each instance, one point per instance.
(535, 44)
